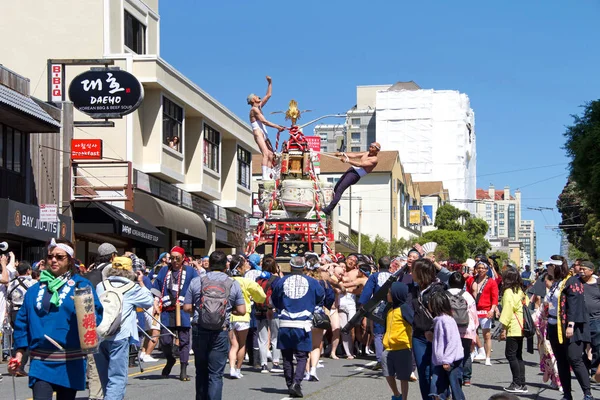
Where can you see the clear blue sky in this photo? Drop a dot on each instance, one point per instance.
(526, 66)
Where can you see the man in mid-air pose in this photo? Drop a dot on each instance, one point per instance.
(361, 164)
(259, 128)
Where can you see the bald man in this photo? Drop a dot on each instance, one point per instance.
(361, 164)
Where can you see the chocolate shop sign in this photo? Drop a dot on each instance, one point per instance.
(106, 93)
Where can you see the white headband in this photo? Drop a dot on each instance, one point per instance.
(61, 246)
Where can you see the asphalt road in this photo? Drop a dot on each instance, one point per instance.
(340, 379)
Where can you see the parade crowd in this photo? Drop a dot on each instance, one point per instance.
(423, 327)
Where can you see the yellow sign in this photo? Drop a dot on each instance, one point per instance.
(414, 216)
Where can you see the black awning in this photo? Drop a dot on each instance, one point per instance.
(23, 220)
(99, 217)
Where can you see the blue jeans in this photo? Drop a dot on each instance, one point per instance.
(441, 380)
(422, 353)
(211, 350)
(467, 364)
(595, 344)
(378, 340)
(112, 362)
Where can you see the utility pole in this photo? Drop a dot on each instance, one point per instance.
(359, 224)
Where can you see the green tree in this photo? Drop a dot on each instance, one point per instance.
(503, 257)
(451, 218)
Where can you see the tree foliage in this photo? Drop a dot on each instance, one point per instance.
(579, 202)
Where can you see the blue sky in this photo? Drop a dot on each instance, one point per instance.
(526, 66)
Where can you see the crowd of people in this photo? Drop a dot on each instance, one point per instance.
(231, 309)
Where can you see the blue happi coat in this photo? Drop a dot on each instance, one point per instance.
(38, 317)
(169, 294)
(295, 297)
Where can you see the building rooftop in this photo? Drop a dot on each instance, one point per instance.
(410, 85)
(483, 194)
(431, 188)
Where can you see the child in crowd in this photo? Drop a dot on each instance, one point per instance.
(447, 349)
(396, 360)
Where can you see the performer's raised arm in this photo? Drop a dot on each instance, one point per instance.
(269, 92)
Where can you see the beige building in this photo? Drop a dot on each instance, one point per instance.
(433, 196)
(501, 210)
(196, 191)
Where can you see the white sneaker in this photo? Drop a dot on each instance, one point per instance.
(306, 376)
(488, 362)
(480, 355)
(191, 352)
(233, 373)
(313, 375)
(320, 364)
(148, 358)
(239, 372)
(369, 351)
(246, 358)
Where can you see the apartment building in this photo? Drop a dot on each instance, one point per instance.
(501, 210)
(528, 237)
(181, 162)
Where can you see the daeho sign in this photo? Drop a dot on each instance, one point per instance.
(106, 93)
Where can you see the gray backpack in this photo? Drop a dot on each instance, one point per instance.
(460, 309)
(213, 303)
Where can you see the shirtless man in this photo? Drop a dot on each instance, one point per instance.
(361, 164)
(259, 128)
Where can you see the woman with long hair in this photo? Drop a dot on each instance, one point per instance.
(424, 274)
(511, 319)
(46, 324)
(240, 325)
(568, 327)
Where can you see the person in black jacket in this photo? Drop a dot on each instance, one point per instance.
(568, 326)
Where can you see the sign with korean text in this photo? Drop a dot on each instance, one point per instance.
(57, 82)
(314, 143)
(48, 213)
(106, 93)
(86, 149)
(414, 215)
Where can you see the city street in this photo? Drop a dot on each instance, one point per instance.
(340, 379)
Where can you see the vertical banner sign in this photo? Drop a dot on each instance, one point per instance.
(48, 213)
(57, 81)
(414, 215)
(86, 149)
(314, 143)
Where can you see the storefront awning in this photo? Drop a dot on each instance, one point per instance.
(161, 213)
(102, 218)
(24, 220)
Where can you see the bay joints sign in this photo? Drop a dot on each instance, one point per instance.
(106, 93)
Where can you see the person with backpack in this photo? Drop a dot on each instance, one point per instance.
(212, 299)
(173, 282)
(296, 296)
(120, 294)
(266, 317)
(240, 324)
(47, 320)
(464, 311)
(17, 288)
(511, 319)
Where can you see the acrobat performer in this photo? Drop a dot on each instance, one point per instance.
(361, 164)
(259, 128)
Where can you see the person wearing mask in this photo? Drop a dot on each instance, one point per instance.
(210, 326)
(568, 325)
(485, 291)
(591, 290)
(46, 319)
(173, 282)
(456, 285)
(240, 324)
(511, 319)
(112, 358)
(296, 296)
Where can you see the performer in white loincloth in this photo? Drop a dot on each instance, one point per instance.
(259, 128)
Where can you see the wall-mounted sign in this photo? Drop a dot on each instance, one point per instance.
(314, 143)
(48, 212)
(57, 82)
(86, 149)
(414, 215)
(106, 93)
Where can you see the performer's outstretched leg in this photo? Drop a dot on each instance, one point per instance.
(349, 178)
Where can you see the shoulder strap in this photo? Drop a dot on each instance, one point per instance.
(120, 289)
(20, 283)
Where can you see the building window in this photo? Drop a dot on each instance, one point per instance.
(172, 124)
(333, 180)
(12, 149)
(501, 232)
(355, 149)
(323, 149)
(244, 159)
(502, 215)
(355, 122)
(212, 142)
(355, 137)
(501, 208)
(501, 223)
(323, 136)
(135, 34)
(488, 206)
(488, 214)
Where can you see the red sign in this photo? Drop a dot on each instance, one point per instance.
(314, 143)
(57, 77)
(86, 149)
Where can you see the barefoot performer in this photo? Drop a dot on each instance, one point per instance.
(259, 129)
(361, 164)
